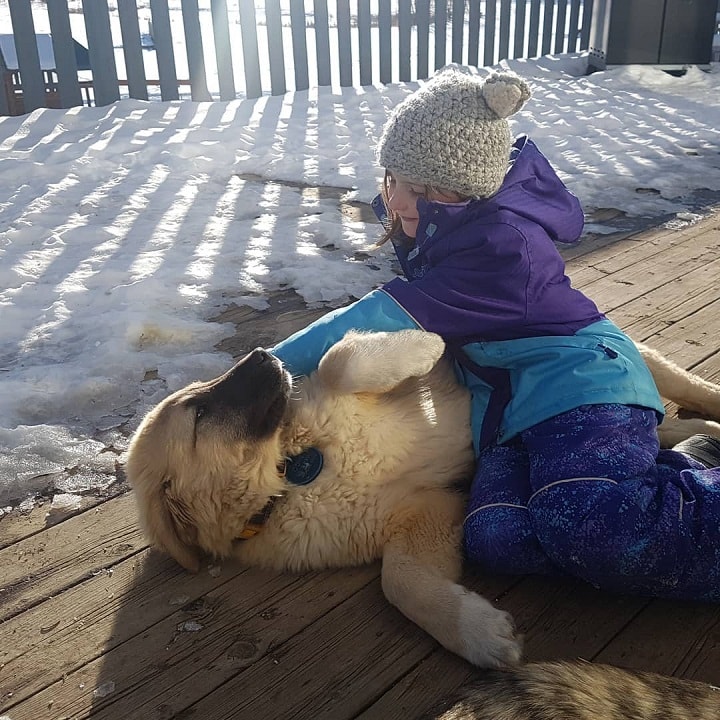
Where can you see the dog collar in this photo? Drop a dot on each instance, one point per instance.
(302, 469)
(256, 522)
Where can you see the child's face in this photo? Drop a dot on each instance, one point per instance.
(403, 195)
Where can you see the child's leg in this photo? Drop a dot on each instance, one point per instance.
(607, 508)
(498, 530)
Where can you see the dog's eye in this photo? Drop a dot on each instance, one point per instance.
(200, 411)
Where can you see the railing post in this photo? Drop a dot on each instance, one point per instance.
(344, 42)
(132, 51)
(364, 36)
(102, 56)
(404, 40)
(322, 41)
(458, 28)
(223, 53)
(33, 85)
(64, 52)
(298, 31)
(599, 31)
(251, 59)
(385, 37)
(194, 49)
(162, 36)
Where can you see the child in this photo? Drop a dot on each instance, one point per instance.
(569, 477)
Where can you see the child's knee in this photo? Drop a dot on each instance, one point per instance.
(501, 539)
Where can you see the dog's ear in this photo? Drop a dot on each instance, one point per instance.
(165, 513)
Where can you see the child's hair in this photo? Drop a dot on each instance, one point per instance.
(393, 226)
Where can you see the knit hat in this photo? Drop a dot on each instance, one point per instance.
(452, 132)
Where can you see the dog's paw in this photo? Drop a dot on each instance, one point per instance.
(377, 362)
(426, 350)
(488, 635)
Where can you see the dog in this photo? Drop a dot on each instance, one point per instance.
(578, 691)
(366, 458)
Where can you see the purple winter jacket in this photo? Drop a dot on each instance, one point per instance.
(488, 269)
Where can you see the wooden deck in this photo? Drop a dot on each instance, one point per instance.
(95, 624)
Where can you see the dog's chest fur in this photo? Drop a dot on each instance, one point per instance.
(378, 450)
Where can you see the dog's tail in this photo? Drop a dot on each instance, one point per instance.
(581, 690)
(680, 386)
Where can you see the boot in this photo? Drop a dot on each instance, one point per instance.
(703, 448)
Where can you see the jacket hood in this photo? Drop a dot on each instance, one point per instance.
(533, 190)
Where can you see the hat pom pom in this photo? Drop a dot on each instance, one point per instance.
(505, 93)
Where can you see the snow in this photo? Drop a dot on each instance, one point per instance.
(125, 228)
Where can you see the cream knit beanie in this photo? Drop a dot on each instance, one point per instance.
(452, 132)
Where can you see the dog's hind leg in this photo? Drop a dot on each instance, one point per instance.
(682, 387)
(378, 362)
(420, 570)
(674, 430)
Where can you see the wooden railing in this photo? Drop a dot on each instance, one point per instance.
(234, 48)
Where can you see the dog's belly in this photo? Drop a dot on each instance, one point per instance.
(339, 522)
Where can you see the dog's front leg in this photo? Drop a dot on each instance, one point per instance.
(421, 565)
(378, 362)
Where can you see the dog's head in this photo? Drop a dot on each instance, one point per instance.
(205, 460)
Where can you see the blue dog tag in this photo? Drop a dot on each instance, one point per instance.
(302, 469)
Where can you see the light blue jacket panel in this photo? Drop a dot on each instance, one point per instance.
(550, 375)
(377, 311)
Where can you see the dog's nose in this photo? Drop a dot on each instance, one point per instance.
(259, 356)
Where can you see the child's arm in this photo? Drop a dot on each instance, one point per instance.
(377, 310)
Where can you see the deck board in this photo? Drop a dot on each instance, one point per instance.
(93, 623)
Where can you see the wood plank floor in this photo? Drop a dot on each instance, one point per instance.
(95, 624)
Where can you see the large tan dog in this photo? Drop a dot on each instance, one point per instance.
(385, 427)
